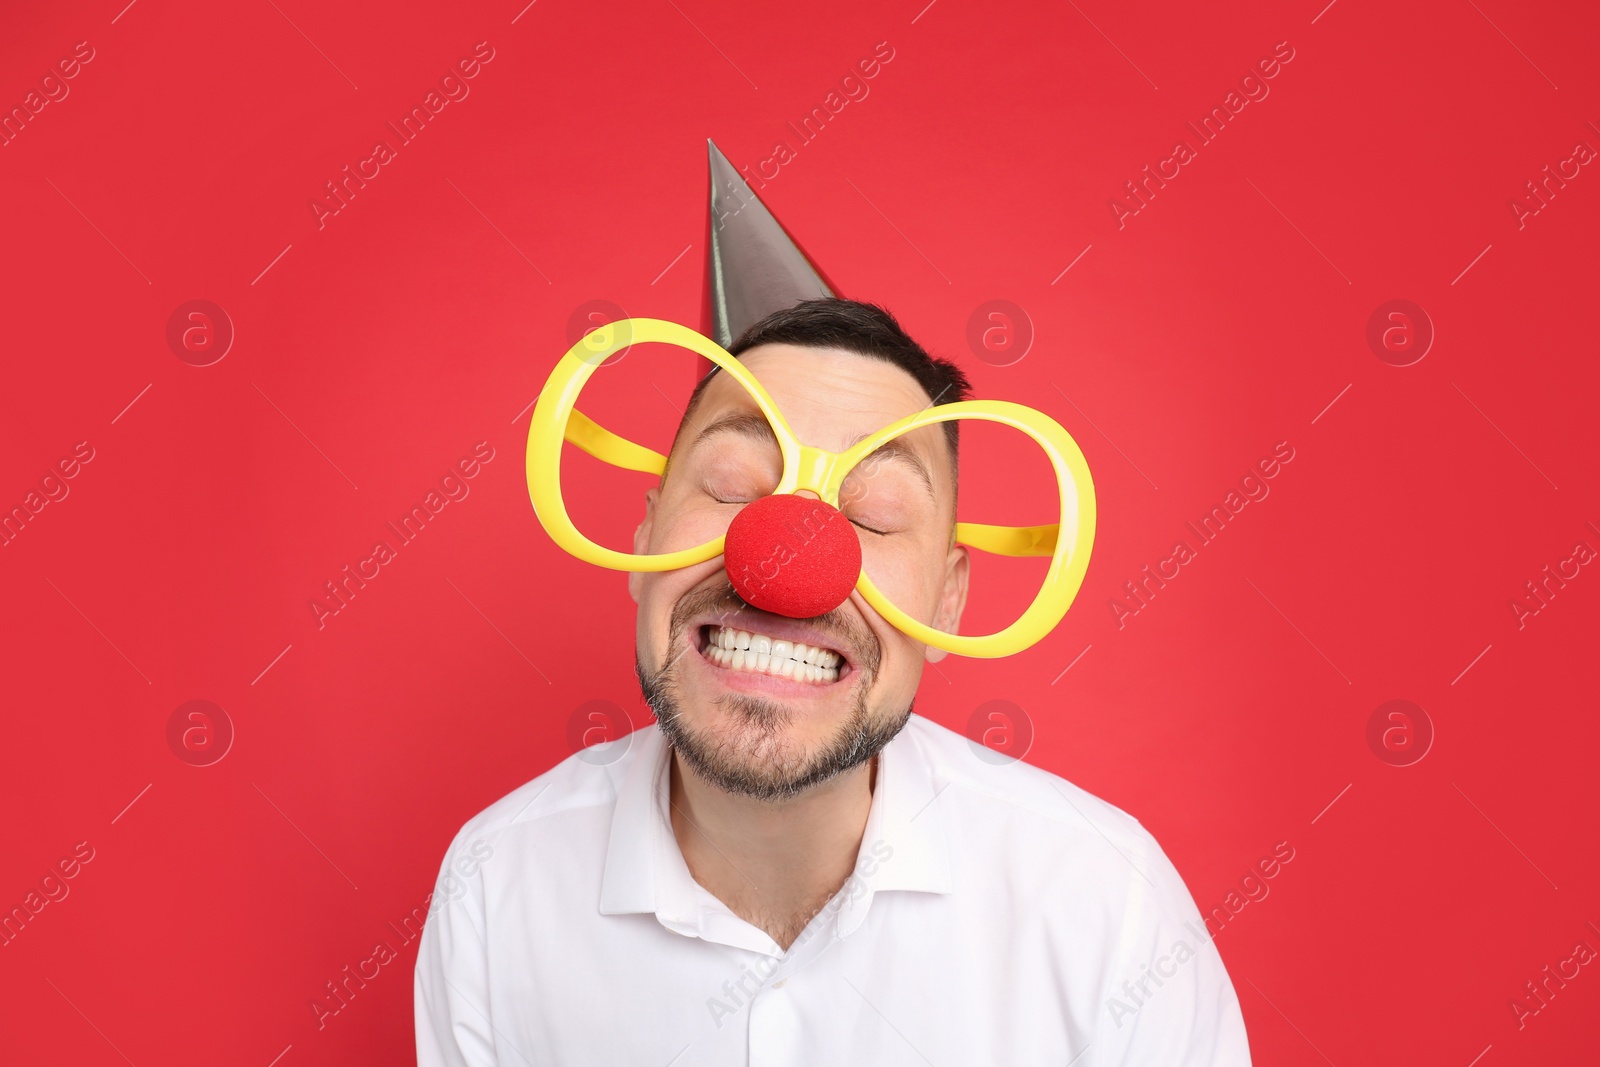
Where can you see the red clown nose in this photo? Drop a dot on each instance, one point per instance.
(792, 555)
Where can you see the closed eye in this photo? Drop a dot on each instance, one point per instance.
(734, 490)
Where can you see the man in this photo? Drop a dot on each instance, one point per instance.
(791, 867)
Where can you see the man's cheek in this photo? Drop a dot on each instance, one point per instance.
(894, 648)
(681, 525)
(660, 592)
(910, 575)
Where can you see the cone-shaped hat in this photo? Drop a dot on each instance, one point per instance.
(754, 267)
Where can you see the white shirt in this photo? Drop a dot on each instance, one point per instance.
(998, 914)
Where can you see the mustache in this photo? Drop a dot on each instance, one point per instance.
(844, 630)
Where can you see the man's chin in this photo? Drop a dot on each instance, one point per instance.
(773, 732)
(755, 747)
(750, 744)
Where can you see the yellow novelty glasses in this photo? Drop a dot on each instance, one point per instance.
(1067, 542)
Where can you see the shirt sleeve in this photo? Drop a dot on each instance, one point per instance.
(1168, 999)
(450, 985)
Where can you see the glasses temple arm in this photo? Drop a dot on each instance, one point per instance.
(1009, 540)
(608, 447)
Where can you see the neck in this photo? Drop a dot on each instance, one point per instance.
(774, 863)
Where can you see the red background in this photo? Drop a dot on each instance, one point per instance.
(375, 352)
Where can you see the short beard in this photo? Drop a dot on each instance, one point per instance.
(762, 766)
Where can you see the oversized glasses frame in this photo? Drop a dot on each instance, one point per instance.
(1067, 542)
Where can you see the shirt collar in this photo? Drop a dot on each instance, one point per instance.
(905, 845)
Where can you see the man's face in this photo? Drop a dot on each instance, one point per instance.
(759, 726)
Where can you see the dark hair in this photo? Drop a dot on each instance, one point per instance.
(865, 329)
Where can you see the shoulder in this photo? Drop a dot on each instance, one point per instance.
(561, 808)
(1030, 793)
(1037, 824)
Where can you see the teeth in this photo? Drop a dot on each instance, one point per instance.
(742, 650)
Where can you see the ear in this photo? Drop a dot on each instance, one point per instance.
(641, 540)
(952, 598)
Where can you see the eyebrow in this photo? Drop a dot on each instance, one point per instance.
(751, 424)
(896, 448)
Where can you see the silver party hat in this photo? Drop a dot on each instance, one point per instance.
(754, 268)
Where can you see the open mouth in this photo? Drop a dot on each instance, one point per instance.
(759, 653)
